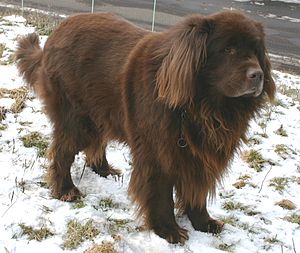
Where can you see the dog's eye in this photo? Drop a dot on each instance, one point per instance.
(229, 50)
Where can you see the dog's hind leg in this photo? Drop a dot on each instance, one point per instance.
(72, 133)
(62, 155)
(96, 159)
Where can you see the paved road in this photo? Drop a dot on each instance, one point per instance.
(282, 20)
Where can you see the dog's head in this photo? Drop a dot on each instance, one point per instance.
(222, 55)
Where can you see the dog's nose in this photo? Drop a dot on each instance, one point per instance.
(255, 75)
(256, 80)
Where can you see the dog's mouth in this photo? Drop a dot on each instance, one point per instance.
(255, 93)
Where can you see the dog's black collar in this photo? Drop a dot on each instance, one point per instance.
(181, 142)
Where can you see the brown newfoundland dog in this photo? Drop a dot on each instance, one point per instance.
(181, 99)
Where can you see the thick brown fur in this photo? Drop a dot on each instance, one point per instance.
(199, 83)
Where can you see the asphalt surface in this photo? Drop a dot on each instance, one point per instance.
(281, 20)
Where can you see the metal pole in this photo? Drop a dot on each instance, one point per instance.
(22, 7)
(153, 15)
(93, 3)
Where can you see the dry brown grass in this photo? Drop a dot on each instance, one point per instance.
(35, 234)
(104, 247)
(20, 96)
(78, 233)
(286, 204)
(3, 112)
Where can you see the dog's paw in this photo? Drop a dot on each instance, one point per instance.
(172, 234)
(213, 226)
(107, 171)
(71, 195)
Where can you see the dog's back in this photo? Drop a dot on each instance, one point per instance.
(87, 53)
(82, 63)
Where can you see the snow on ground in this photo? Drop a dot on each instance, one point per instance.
(266, 172)
(259, 1)
(271, 15)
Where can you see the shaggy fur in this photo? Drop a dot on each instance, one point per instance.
(181, 99)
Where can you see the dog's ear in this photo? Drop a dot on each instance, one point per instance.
(176, 77)
(269, 84)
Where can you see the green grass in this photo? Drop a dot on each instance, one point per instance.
(238, 206)
(272, 240)
(294, 218)
(10, 58)
(255, 159)
(230, 220)
(281, 131)
(294, 93)
(279, 183)
(3, 127)
(3, 110)
(115, 225)
(107, 203)
(226, 247)
(79, 204)
(35, 139)
(282, 150)
(2, 48)
(44, 24)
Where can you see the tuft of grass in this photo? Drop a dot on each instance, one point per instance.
(115, 225)
(263, 126)
(35, 234)
(226, 194)
(244, 177)
(279, 183)
(107, 203)
(272, 240)
(35, 139)
(104, 247)
(281, 131)
(226, 247)
(230, 220)
(3, 127)
(279, 102)
(8, 57)
(286, 204)
(20, 96)
(238, 206)
(2, 48)
(282, 150)
(255, 159)
(3, 112)
(20, 99)
(254, 140)
(291, 92)
(10, 60)
(44, 24)
(231, 206)
(239, 184)
(79, 204)
(78, 233)
(294, 218)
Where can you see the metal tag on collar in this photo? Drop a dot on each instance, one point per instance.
(181, 142)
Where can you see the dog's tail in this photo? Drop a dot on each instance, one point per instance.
(29, 58)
